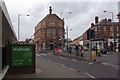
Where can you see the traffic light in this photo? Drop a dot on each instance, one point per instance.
(90, 34)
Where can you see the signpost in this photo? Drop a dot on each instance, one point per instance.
(21, 56)
(58, 51)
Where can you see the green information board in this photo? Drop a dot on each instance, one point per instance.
(21, 56)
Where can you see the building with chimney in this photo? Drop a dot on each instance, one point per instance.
(49, 32)
(106, 34)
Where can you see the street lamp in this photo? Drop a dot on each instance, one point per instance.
(113, 28)
(66, 12)
(111, 13)
(19, 23)
(67, 28)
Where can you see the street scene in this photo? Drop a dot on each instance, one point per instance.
(59, 40)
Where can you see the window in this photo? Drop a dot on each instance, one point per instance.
(51, 24)
(111, 28)
(51, 34)
(98, 35)
(95, 28)
(42, 33)
(48, 33)
(117, 28)
(60, 32)
(104, 36)
(95, 35)
(104, 28)
(60, 24)
(54, 32)
(98, 28)
(111, 34)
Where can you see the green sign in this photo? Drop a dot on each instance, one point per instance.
(21, 55)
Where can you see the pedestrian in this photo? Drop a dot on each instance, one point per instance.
(77, 50)
(70, 49)
(81, 51)
(99, 52)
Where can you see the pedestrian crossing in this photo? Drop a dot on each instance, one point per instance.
(43, 54)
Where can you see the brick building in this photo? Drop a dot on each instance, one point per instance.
(49, 32)
(106, 33)
(85, 41)
(76, 41)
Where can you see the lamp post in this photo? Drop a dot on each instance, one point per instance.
(19, 24)
(113, 29)
(111, 13)
(67, 28)
(66, 12)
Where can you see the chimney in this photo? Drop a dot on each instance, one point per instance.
(109, 20)
(96, 19)
(105, 19)
(92, 24)
(50, 10)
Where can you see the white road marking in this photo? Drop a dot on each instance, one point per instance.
(62, 65)
(74, 60)
(49, 53)
(90, 63)
(89, 75)
(38, 55)
(43, 54)
(115, 66)
(2, 75)
(61, 57)
(73, 69)
(65, 58)
(49, 60)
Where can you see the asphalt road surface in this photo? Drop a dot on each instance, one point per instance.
(94, 70)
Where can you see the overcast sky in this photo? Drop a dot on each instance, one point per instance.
(83, 13)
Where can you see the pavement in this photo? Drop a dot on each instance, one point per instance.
(47, 69)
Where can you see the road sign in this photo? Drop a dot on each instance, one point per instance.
(58, 51)
(21, 56)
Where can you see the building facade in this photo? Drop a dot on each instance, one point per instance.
(76, 41)
(49, 33)
(7, 37)
(106, 33)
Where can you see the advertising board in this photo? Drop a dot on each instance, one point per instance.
(21, 56)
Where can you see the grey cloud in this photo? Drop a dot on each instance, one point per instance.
(83, 14)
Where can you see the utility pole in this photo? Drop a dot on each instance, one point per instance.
(90, 46)
(67, 37)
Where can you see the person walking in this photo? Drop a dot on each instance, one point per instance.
(99, 52)
(81, 51)
(70, 49)
(77, 50)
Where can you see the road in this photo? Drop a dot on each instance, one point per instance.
(94, 70)
(52, 66)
